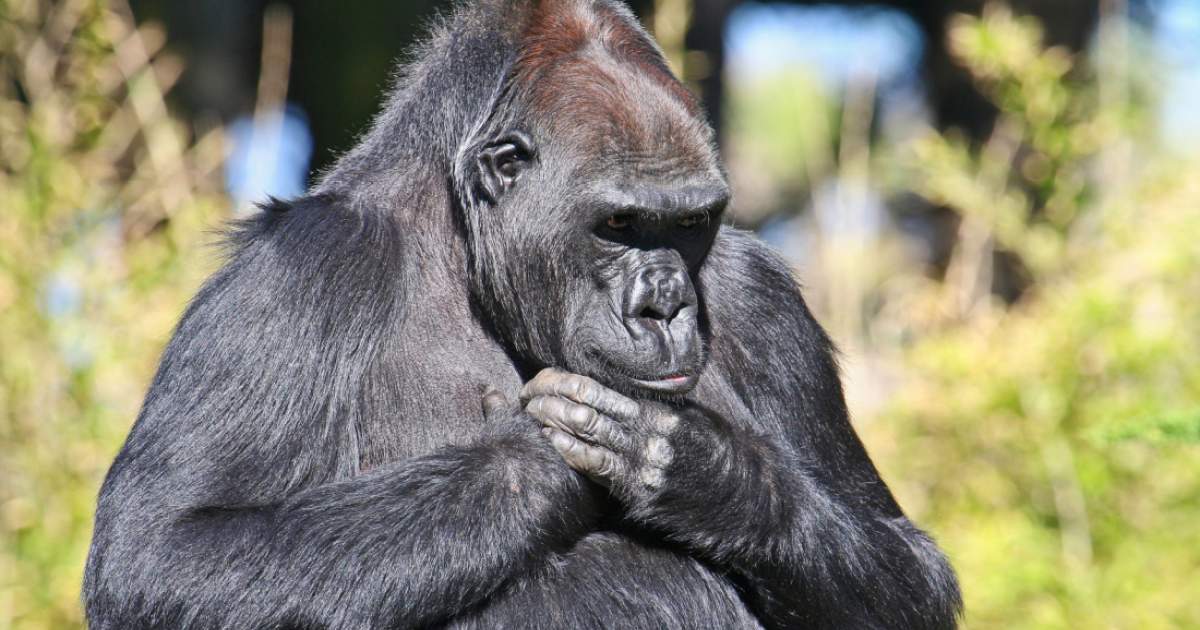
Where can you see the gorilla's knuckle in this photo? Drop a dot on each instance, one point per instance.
(592, 422)
(575, 413)
(665, 421)
(540, 382)
(551, 405)
(634, 410)
(574, 447)
(580, 389)
(621, 439)
(651, 477)
(607, 465)
(659, 452)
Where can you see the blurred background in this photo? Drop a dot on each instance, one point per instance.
(995, 210)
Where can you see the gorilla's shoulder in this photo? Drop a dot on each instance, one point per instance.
(310, 250)
(308, 224)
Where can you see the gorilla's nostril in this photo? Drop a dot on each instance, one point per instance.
(661, 312)
(650, 312)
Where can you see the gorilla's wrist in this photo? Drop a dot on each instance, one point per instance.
(528, 470)
(716, 468)
(703, 444)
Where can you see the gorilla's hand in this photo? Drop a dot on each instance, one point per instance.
(619, 442)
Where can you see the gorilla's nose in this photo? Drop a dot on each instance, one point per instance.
(660, 293)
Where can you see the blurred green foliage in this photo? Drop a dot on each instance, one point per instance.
(1050, 443)
(103, 211)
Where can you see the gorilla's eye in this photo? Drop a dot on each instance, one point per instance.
(694, 220)
(619, 221)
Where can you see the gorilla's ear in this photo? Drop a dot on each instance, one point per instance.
(501, 162)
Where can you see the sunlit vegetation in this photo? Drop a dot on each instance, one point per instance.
(1053, 443)
(106, 202)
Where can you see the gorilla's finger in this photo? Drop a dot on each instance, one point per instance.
(580, 421)
(545, 410)
(541, 383)
(594, 461)
(552, 412)
(583, 390)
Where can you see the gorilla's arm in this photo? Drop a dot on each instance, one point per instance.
(237, 503)
(812, 551)
(786, 498)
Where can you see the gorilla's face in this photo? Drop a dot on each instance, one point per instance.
(634, 314)
(606, 196)
(602, 280)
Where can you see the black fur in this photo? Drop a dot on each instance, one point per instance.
(313, 452)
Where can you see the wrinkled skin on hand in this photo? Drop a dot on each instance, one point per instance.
(621, 443)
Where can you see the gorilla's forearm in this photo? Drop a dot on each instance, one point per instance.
(812, 551)
(400, 547)
(806, 557)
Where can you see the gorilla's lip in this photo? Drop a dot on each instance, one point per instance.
(675, 383)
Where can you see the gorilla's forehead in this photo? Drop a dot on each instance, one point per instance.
(596, 79)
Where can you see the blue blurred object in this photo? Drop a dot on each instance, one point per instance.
(61, 295)
(270, 157)
(1177, 42)
(836, 42)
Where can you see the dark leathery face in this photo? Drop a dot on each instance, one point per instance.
(588, 254)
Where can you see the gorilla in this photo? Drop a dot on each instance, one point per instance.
(504, 367)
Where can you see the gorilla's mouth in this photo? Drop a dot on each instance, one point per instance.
(676, 383)
(678, 379)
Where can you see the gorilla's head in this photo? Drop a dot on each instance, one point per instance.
(592, 194)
